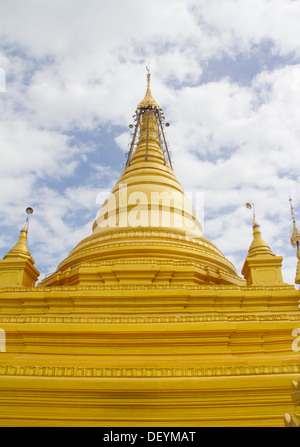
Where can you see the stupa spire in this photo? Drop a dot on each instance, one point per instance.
(258, 246)
(148, 100)
(17, 267)
(261, 266)
(149, 127)
(20, 249)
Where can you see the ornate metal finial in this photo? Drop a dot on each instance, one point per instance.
(295, 239)
(295, 233)
(148, 75)
(292, 210)
(149, 101)
(149, 111)
(251, 206)
(29, 211)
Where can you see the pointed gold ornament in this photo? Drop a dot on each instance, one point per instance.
(295, 239)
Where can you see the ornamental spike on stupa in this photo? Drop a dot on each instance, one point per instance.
(149, 101)
(17, 267)
(295, 240)
(258, 245)
(149, 124)
(20, 249)
(261, 265)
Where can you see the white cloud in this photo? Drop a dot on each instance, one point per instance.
(239, 25)
(26, 149)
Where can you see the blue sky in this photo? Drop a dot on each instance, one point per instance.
(227, 75)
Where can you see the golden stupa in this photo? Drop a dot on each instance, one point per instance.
(146, 323)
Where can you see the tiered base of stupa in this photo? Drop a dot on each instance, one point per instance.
(140, 355)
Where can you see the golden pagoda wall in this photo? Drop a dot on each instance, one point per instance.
(148, 356)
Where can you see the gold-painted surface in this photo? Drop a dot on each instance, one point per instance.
(297, 278)
(147, 220)
(293, 419)
(148, 356)
(149, 325)
(261, 266)
(148, 100)
(17, 266)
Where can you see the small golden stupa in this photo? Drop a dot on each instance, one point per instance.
(146, 323)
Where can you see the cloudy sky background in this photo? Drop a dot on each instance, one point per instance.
(227, 75)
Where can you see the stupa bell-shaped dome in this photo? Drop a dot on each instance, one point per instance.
(146, 231)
